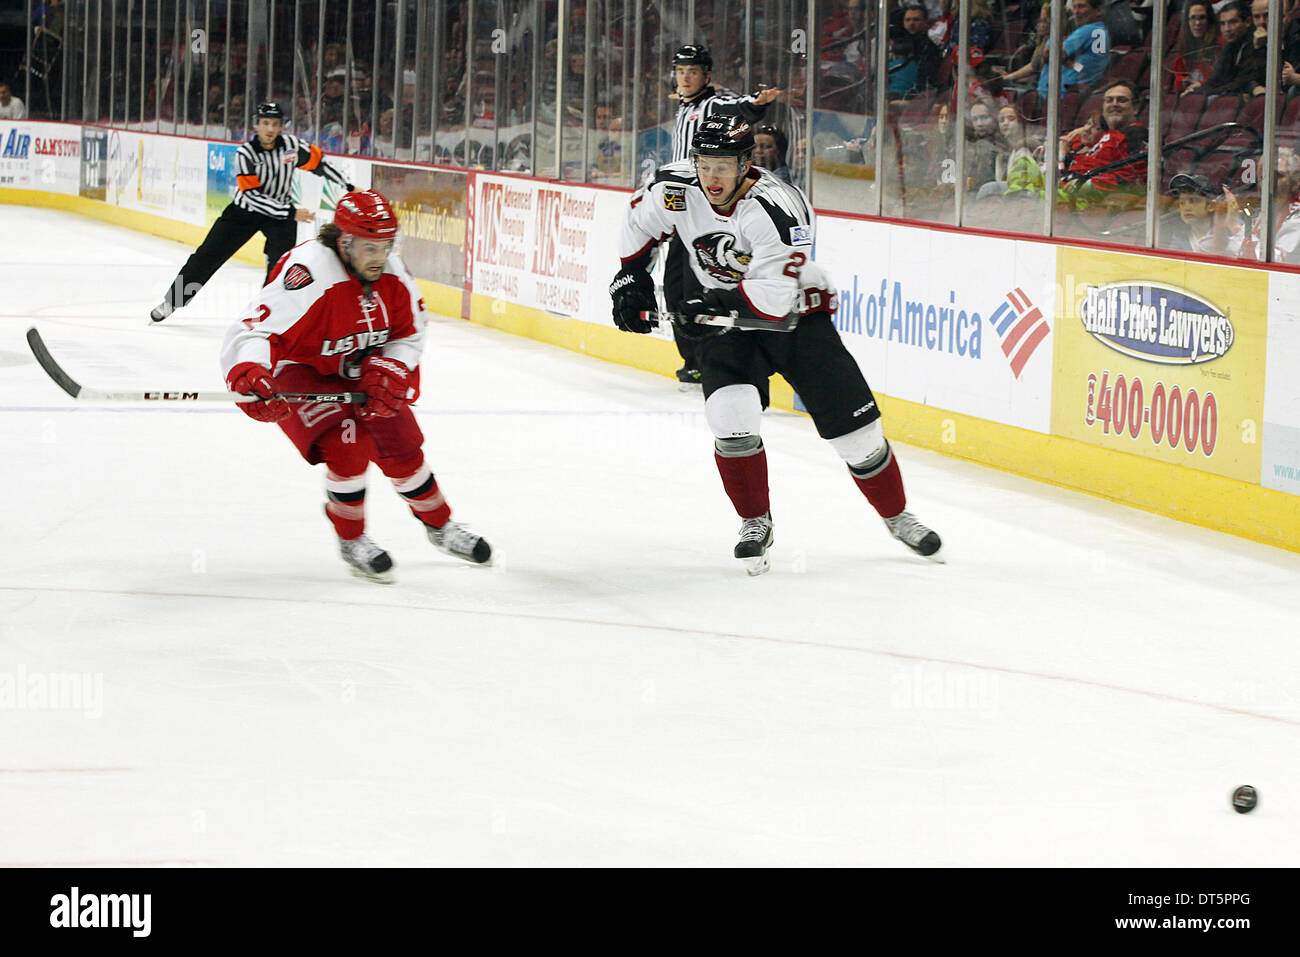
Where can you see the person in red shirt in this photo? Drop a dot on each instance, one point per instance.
(1123, 138)
(342, 313)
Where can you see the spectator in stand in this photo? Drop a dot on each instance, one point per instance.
(770, 145)
(844, 37)
(913, 58)
(1243, 62)
(331, 103)
(1021, 144)
(237, 119)
(1197, 47)
(1286, 216)
(1029, 59)
(986, 150)
(1199, 227)
(1123, 138)
(11, 108)
(1085, 54)
(945, 30)
(382, 145)
(1082, 138)
(1031, 43)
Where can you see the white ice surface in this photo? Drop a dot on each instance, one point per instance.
(1081, 684)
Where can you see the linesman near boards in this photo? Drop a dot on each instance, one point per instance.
(341, 313)
(263, 176)
(749, 237)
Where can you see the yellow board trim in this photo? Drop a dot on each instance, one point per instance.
(1199, 498)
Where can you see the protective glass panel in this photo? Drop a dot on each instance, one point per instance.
(280, 49)
(1102, 120)
(844, 121)
(609, 144)
(238, 109)
(1212, 135)
(780, 59)
(364, 83)
(514, 34)
(575, 110)
(450, 140)
(161, 102)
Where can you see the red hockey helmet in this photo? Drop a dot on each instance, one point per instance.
(366, 215)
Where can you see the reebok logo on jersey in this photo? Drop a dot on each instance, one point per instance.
(297, 276)
(675, 198)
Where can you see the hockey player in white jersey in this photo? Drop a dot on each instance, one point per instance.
(749, 236)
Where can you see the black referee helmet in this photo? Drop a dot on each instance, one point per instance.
(694, 55)
(269, 110)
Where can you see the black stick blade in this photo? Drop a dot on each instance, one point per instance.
(52, 368)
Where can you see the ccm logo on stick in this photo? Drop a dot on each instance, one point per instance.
(171, 396)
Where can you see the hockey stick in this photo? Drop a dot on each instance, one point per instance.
(732, 321)
(81, 393)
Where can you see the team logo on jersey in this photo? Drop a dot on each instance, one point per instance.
(297, 276)
(675, 198)
(800, 234)
(717, 253)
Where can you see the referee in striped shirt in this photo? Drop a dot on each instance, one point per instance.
(698, 100)
(264, 174)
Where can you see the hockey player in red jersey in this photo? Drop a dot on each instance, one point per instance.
(749, 236)
(341, 313)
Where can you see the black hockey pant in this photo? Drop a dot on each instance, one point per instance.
(233, 228)
(680, 284)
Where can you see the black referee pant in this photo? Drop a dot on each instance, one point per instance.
(680, 284)
(233, 228)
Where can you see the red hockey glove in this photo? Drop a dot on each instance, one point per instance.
(248, 378)
(383, 381)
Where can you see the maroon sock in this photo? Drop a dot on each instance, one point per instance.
(884, 489)
(745, 479)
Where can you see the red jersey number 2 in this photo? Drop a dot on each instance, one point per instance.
(263, 313)
(794, 265)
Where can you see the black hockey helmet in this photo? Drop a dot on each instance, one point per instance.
(694, 54)
(270, 110)
(724, 134)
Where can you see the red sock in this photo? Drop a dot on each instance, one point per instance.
(884, 489)
(420, 489)
(745, 479)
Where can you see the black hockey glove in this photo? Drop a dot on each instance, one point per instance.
(633, 293)
(714, 302)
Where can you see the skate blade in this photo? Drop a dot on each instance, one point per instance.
(380, 578)
(757, 565)
(937, 556)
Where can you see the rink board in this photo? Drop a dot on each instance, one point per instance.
(983, 348)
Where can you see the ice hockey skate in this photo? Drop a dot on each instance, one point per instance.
(459, 542)
(920, 539)
(160, 312)
(688, 379)
(755, 539)
(366, 559)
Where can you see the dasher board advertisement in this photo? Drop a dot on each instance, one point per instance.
(1162, 358)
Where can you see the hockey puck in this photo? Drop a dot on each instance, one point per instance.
(1244, 799)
